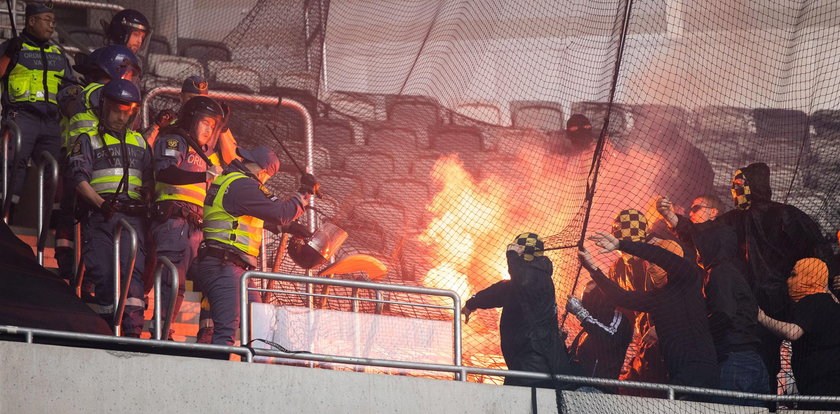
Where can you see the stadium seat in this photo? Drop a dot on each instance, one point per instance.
(512, 142)
(780, 151)
(422, 166)
(304, 81)
(283, 183)
(384, 137)
(416, 112)
(486, 112)
(364, 236)
(234, 77)
(414, 195)
(459, 139)
(620, 122)
(496, 165)
(826, 122)
(372, 166)
(160, 45)
(722, 147)
(785, 124)
(724, 120)
(320, 157)
(174, 67)
(541, 115)
(203, 50)
(331, 133)
(87, 37)
(355, 105)
(390, 217)
(340, 185)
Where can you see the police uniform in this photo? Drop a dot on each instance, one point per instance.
(178, 208)
(98, 159)
(33, 79)
(236, 210)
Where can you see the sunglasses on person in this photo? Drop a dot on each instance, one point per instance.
(697, 207)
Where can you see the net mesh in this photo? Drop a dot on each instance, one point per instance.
(439, 126)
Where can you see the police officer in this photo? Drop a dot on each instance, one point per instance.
(79, 114)
(181, 179)
(129, 28)
(236, 209)
(195, 86)
(111, 171)
(33, 72)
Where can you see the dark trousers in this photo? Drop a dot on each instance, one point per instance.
(219, 282)
(743, 371)
(98, 251)
(176, 239)
(38, 133)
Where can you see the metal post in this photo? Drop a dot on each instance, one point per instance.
(45, 158)
(173, 295)
(243, 310)
(11, 135)
(456, 310)
(121, 291)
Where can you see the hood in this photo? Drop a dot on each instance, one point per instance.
(758, 177)
(715, 244)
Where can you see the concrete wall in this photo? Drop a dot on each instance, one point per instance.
(43, 378)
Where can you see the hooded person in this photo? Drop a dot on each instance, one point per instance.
(771, 237)
(814, 331)
(530, 337)
(675, 304)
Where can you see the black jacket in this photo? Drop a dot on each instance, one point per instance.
(601, 345)
(678, 311)
(731, 304)
(771, 238)
(528, 327)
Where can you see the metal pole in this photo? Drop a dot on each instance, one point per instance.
(243, 309)
(45, 158)
(88, 4)
(456, 310)
(121, 291)
(11, 135)
(173, 296)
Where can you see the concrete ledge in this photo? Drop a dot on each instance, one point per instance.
(44, 378)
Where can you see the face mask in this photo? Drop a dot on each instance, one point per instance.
(533, 245)
(741, 191)
(630, 225)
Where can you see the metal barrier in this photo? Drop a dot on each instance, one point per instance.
(173, 295)
(121, 291)
(310, 281)
(45, 206)
(11, 135)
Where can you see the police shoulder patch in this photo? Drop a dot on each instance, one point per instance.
(77, 148)
(266, 192)
(172, 143)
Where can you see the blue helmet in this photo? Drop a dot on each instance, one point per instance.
(123, 24)
(116, 62)
(121, 91)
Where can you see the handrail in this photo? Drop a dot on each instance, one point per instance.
(78, 271)
(243, 299)
(89, 5)
(173, 295)
(45, 158)
(9, 128)
(121, 292)
(247, 354)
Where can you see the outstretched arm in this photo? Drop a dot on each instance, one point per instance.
(637, 301)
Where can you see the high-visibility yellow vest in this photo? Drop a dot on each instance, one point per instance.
(107, 163)
(242, 232)
(191, 193)
(36, 75)
(84, 122)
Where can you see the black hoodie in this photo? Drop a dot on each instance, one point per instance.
(528, 327)
(731, 305)
(771, 238)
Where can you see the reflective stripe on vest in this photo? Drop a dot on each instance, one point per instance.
(107, 180)
(26, 80)
(191, 193)
(86, 121)
(243, 232)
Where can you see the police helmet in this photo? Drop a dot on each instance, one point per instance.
(125, 22)
(114, 62)
(120, 95)
(198, 108)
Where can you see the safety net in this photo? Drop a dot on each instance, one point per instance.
(440, 132)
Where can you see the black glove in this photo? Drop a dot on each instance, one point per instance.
(297, 229)
(165, 117)
(109, 207)
(309, 185)
(14, 46)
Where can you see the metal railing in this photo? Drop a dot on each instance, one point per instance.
(45, 207)
(244, 317)
(121, 290)
(11, 139)
(164, 261)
